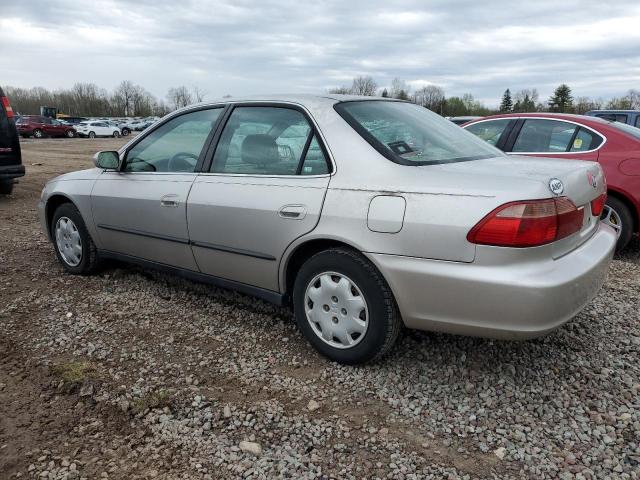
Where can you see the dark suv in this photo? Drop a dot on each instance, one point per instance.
(38, 127)
(10, 156)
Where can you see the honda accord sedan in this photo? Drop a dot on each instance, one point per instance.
(365, 215)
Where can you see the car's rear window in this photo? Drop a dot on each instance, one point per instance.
(412, 135)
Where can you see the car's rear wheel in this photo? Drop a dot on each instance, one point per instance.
(92, 134)
(344, 307)
(116, 134)
(70, 134)
(6, 187)
(73, 245)
(617, 215)
(37, 133)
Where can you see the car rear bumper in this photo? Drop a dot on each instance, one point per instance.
(11, 171)
(509, 301)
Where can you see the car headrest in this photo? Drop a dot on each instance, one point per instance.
(259, 149)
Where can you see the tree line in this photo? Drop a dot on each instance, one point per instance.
(87, 99)
(526, 100)
(131, 100)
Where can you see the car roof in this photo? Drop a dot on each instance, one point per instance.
(306, 100)
(614, 111)
(587, 120)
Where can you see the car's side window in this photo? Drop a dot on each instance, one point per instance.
(174, 146)
(637, 124)
(490, 130)
(268, 141)
(539, 135)
(585, 141)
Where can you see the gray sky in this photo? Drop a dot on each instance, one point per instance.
(269, 46)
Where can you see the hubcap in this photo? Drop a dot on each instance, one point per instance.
(611, 218)
(68, 241)
(336, 310)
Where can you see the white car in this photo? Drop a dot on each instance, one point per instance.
(97, 129)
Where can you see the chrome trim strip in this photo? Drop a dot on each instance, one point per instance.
(604, 138)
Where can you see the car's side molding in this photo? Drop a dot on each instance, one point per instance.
(267, 295)
(186, 241)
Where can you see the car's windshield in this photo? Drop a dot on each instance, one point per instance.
(413, 135)
(628, 129)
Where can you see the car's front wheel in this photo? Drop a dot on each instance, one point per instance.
(116, 134)
(70, 134)
(344, 307)
(37, 133)
(125, 132)
(617, 215)
(73, 245)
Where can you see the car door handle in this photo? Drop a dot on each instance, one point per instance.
(293, 212)
(170, 200)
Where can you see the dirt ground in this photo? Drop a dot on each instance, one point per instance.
(134, 374)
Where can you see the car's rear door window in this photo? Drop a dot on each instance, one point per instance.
(585, 140)
(265, 140)
(540, 135)
(489, 130)
(613, 117)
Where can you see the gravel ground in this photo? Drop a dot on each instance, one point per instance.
(133, 374)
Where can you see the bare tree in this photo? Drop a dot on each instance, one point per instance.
(123, 97)
(198, 94)
(364, 86)
(179, 97)
(431, 97)
(399, 89)
(582, 105)
(341, 90)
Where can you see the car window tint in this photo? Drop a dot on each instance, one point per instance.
(585, 140)
(544, 136)
(637, 121)
(263, 141)
(175, 146)
(490, 131)
(613, 117)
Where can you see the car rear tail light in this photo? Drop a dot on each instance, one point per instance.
(528, 223)
(597, 205)
(7, 106)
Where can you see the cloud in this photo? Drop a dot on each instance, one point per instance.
(243, 47)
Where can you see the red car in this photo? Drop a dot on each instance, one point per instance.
(616, 146)
(38, 127)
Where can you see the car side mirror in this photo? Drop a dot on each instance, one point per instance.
(109, 160)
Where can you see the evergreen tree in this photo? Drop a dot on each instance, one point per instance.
(561, 100)
(385, 94)
(507, 103)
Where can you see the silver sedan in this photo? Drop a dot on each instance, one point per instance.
(363, 214)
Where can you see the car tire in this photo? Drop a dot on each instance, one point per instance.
(359, 303)
(37, 133)
(116, 134)
(68, 231)
(70, 134)
(92, 135)
(125, 132)
(6, 188)
(619, 216)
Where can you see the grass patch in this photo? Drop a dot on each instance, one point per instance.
(73, 374)
(158, 399)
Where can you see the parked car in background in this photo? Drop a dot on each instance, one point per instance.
(72, 120)
(97, 129)
(463, 119)
(615, 145)
(10, 155)
(124, 129)
(365, 212)
(38, 127)
(630, 117)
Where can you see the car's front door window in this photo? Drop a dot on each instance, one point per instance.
(175, 146)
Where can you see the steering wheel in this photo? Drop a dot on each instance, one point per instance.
(182, 162)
